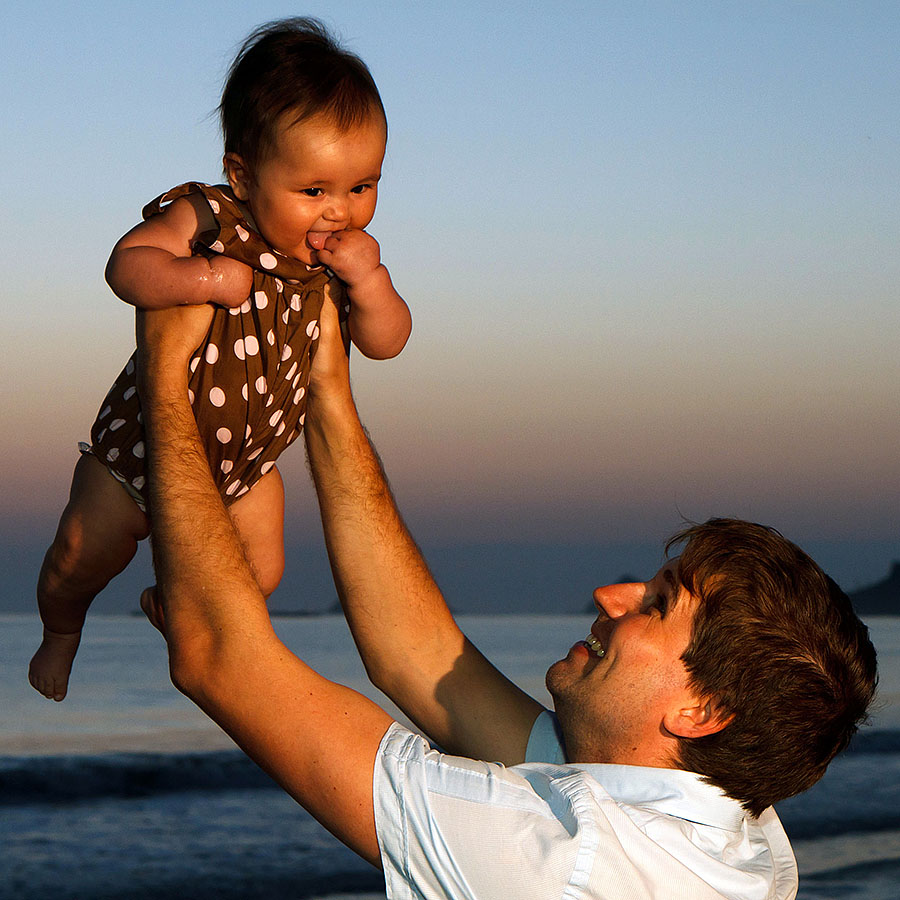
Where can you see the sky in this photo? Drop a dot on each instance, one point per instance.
(650, 250)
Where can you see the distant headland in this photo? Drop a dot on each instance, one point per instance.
(881, 598)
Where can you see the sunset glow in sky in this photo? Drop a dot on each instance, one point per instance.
(651, 251)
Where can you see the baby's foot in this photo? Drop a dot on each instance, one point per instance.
(50, 666)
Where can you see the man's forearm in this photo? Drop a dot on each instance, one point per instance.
(197, 555)
(409, 642)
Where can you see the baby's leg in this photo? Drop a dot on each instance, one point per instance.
(97, 537)
(259, 521)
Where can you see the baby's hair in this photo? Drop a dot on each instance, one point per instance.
(292, 66)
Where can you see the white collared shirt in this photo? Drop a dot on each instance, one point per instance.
(450, 827)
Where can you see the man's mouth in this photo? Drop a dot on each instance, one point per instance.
(595, 646)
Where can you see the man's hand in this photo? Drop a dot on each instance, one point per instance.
(330, 370)
(353, 255)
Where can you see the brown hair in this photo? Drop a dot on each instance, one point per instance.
(292, 66)
(777, 646)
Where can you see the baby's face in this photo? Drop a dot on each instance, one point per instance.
(317, 180)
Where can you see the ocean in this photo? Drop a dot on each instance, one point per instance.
(125, 790)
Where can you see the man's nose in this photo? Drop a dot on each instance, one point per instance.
(618, 599)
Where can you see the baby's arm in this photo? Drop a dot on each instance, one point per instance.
(151, 266)
(379, 319)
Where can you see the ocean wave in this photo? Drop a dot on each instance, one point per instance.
(60, 779)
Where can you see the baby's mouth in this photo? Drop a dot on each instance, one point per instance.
(316, 239)
(595, 646)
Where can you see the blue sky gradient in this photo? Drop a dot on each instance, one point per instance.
(650, 249)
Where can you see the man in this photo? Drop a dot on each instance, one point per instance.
(739, 660)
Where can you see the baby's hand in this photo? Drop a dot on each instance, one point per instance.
(230, 281)
(352, 255)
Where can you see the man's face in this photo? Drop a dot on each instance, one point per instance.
(613, 691)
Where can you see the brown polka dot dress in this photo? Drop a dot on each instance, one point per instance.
(249, 377)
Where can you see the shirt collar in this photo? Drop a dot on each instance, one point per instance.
(672, 792)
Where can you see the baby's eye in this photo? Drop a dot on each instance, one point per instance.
(361, 188)
(312, 192)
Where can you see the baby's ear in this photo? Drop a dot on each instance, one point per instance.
(238, 175)
(697, 719)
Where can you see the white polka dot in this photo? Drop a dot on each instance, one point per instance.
(261, 300)
(242, 233)
(273, 419)
(223, 435)
(245, 393)
(313, 326)
(140, 419)
(261, 385)
(212, 353)
(190, 397)
(113, 454)
(234, 311)
(267, 261)
(116, 424)
(279, 285)
(297, 379)
(291, 371)
(100, 436)
(105, 412)
(269, 401)
(251, 345)
(298, 396)
(239, 349)
(129, 368)
(285, 316)
(245, 306)
(232, 487)
(280, 429)
(270, 338)
(217, 396)
(243, 491)
(213, 205)
(138, 450)
(295, 303)
(302, 419)
(138, 483)
(129, 393)
(248, 432)
(286, 352)
(217, 247)
(255, 453)
(248, 442)
(266, 467)
(194, 363)
(226, 465)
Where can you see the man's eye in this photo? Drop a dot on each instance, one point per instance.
(661, 604)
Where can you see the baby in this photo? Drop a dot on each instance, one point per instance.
(305, 135)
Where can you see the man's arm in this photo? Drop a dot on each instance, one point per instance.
(317, 739)
(410, 644)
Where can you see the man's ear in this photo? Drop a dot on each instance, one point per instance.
(238, 174)
(697, 719)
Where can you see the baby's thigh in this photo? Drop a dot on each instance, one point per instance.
(101, 525)
(258, 518)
